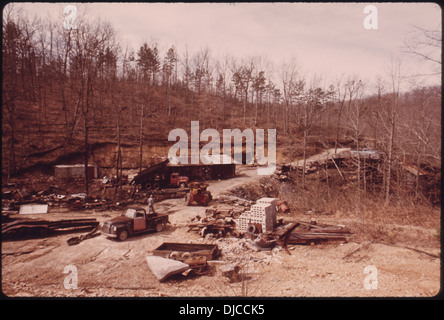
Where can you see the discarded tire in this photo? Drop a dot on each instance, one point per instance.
(186, 255)
(174, 255)
(252, 229)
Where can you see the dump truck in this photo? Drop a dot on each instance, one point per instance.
(157, 177)
(133, 221)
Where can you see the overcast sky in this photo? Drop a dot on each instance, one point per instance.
(327, 39)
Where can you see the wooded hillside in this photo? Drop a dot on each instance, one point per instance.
(66, 92)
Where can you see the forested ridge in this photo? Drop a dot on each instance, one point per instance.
(71, 89)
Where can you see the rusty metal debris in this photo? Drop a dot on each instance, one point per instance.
(214, 227)
(224, 211)
(198, 264)
(183, 251)
(191, 254)
(76, 240)
(38, 227)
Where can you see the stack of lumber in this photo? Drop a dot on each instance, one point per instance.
(311, 232)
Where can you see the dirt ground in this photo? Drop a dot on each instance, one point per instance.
(109, 268)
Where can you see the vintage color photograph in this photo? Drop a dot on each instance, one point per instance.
(270, 150)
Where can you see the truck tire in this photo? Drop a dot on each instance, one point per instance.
(174, 255)
(186, 255)
(160, 226)
(156, 186)
(123, 235)
(252, 229)
(148, 185)
(235, 214)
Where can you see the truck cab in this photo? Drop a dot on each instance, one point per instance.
(133, 221)
(178, 181)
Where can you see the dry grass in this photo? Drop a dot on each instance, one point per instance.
(405, 220)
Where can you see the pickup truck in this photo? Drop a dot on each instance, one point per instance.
(133, 221)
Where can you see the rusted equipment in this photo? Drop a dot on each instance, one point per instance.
(283, 206)
(266, 241)
(184, 251)
(159, 176)
(151, 177)
(218, 228)
(198, 264)
(40, 228)
(222, 212)
(169, 193)
(199, 195)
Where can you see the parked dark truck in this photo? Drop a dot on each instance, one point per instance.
(133, 221)
(178, 181)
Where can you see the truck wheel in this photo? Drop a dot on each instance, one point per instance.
(148, 186)
(123, 235)
(160, 226)
(156, 186)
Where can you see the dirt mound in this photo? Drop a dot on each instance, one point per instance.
(265, 187)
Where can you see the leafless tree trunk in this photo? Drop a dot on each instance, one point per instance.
(395, 78)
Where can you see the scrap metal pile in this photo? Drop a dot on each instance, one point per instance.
(240, 252)
(260, 224)
(39, 227)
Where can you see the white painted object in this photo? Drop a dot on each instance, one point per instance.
(33, 208)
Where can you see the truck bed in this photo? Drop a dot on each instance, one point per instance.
(210, 251)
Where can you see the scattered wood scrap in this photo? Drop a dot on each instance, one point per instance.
(311, 233)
